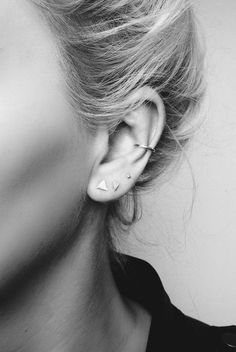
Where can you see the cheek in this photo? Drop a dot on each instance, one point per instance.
(41, 176)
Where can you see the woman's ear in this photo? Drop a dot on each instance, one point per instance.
(120, 162)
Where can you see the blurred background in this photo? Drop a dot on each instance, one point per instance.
(195, 253)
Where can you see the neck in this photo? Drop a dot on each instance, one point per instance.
(75, 305)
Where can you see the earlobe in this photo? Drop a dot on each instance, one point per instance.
(110, 180)
(131, 147)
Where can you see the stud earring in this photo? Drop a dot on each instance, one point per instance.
(103, 186)
(115, 185)
(128, 175)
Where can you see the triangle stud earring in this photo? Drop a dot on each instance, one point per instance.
(102, 185)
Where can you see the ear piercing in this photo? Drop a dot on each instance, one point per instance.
(115, 185)
(103, 186)
(145, 147)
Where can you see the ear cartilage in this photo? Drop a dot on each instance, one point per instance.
(128, 176)
(115, 185)
(103, 186)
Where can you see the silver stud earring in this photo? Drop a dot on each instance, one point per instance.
(102, 185)
(128, 175)
(115, 185)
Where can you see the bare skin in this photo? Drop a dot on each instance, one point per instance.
(74, 306)
(57, 292)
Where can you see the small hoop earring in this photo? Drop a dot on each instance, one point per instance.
(145, 147)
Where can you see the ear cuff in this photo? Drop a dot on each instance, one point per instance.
(145, 147)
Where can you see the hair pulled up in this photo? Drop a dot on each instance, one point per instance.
(110, 48)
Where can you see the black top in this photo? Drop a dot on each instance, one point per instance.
(170, 330)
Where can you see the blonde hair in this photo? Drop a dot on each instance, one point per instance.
(111, 48)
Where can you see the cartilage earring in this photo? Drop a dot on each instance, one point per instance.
(115, 185)
(145, 147)
(128, 175)
(103, 186)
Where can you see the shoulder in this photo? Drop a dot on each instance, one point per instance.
(170, 328)
(138, 280)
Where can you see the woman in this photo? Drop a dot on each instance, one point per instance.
(95, 100)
